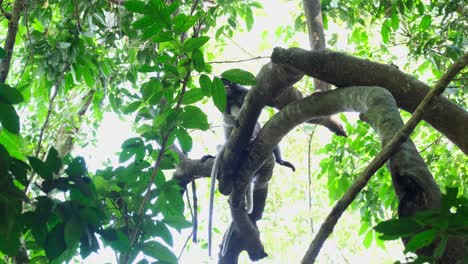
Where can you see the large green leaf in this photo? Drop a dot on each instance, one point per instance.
(205, 84)
(53, 160)
(183, 23)
(9, 118)
(193, 117)
(2, 53)
(193, 95)
(41, 168)
(421, 240)
(55, 242)
(239, 76)
(198, 60)
(160, 252)
(218, 93)
(72, 231)
(195, 43)
(135, 6)
(10, 95)
(398, 227)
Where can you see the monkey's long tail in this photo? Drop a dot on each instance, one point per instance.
(214, 173)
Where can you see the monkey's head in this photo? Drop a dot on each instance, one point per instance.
(235, 94)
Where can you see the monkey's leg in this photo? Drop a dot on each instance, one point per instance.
(280, 161)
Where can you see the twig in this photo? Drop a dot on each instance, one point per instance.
(237, 61)
(237, 45)
(185, 245)
(327, 227)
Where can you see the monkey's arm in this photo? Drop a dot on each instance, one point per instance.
(280, 161)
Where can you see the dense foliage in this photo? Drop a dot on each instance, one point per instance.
(75, 60)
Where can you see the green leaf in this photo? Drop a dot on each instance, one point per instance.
(395, 20)
(160, 252)
(185, 141)
(368, 239)
(72, 232)
(135, 6)
(193, 95)
(9, 118)
(183, 23)
(55, 242)
(421, 240)
(10, 245)
(163, 37)
(77, 168)
(150, 31)
(219, 94)
(143, 22)
(195, 43)
(249, 18)
(385, 32)
(205, 84)
(41, 168)
(177, 221)
(193, 117)
(198, 60)
(116, 239)
(400, 227)
(163, 232)
(88, 244)
(425, 23)
(126, 154)
(5, 160)
(240, 76)
(10, 95)
(53, 160)
(132, 107)
(2, 53)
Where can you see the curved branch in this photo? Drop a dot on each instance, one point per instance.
(343, 70)
(397, 164)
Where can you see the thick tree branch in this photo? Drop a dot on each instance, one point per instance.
(343, 70)
(272, 80)
(433, 196)
(10, 39)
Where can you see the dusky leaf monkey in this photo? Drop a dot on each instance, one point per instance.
(235, 94)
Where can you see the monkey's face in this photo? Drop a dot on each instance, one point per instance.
(235, 98)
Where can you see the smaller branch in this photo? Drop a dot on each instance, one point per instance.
(237, 61)
(185, 245)
(327, 227)
(237, 45)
